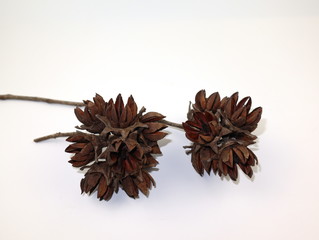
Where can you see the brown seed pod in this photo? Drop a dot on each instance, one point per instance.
(221, 131)
(121, 149)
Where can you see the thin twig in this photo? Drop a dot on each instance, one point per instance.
(69, 134)
(40, 99)
(55, 135)
(172, 124)
(79, 104)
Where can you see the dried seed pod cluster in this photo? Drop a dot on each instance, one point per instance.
(118, 148)
(116, 143)
(220, 130)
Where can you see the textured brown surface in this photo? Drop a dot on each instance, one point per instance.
(220, 130)
(119, 151)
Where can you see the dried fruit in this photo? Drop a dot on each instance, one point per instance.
(221, 133)
(117, 143)
(85, 147)
(119, 149)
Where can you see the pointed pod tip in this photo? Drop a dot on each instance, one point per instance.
(69, 139)
(260, 109)
(201, 93)
(110, 102)
(77, 109)
(235, 95)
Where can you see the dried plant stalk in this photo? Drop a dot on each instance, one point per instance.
(39, 99)
(117, 143)
(55, 135)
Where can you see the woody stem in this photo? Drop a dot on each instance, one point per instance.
(39, 99)
(172, 124)
(63, 102)
(69, 134)
(55, 135)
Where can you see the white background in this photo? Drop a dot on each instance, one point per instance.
(162, 52)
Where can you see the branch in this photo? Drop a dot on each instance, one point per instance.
(71, 103)
(172, 124)
(55, 135)
(69, 134)
(40, 99)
